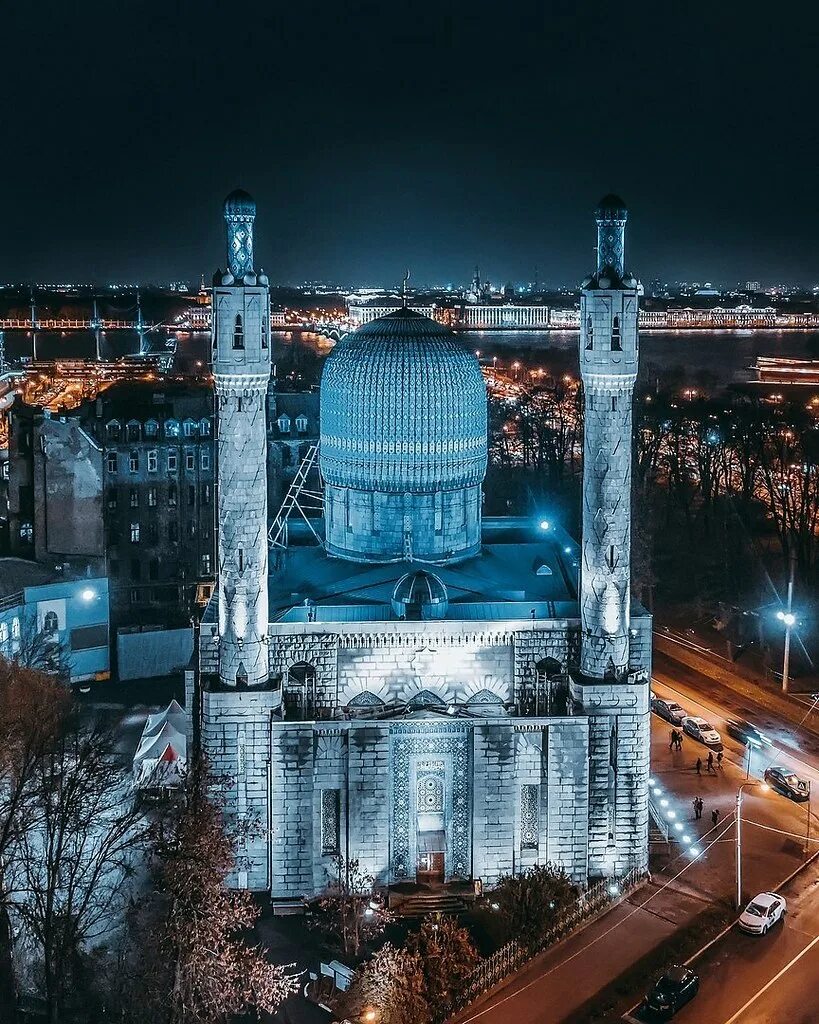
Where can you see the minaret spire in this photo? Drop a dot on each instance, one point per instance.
(241, 369)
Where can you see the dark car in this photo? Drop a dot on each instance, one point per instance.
(788, 783)
(673, 989)
(746, 733)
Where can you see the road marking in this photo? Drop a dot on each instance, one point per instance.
(775, 978)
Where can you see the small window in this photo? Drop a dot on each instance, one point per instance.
(152, 461)
(151, 497)
(133, 430)
(151, 428)
(15, 628)
(189, 428)
(238, 332)
(241, 560)
(112, 462)
(205, 460)
(589, 334)
(204, 427)
(135, 533)
(112, 430)
(301, 423)
(134, 596)
(611, 556)
(190, 460)
(111, 500)
(133, 462)
(171, 428)
(613, 404)
(284, 424)
(172, 496)
(205, 565)
(206, 494)
(172, 462)
(4, 633)
(26, 532)
(50, 622)
(616, 345)
(134, 497)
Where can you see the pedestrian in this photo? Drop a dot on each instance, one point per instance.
(715, 816)
(700, 806)
(673, 742)
(696, 803)
(710, 762)
(719, 760)
(699, 766)
(679, 740)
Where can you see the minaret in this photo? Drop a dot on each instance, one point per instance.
(608, 366)
(611, 692)
(241, 369)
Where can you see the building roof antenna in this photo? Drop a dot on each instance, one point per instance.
(404, 289)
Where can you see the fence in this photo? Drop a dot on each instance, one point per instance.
(513, 955)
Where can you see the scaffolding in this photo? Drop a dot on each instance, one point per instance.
(301, 498)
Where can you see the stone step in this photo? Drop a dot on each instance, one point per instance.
(433, 903)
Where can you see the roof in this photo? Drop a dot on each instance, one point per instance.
(502, 582)
(16, 574)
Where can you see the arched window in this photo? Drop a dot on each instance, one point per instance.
(616, 346)
(112, 430)
(238, 332)
(204, 427)
(171, 428)
(283, 423)
(301, 423)
(189, 428)
(50, 622)
(427, 699)
(589, 334)
(133, 430)
(300, 695)
(151, 428)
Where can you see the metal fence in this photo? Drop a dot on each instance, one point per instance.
(513, 955)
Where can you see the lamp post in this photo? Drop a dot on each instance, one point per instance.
(789, 619)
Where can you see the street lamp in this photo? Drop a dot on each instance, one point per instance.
(764, 788)
(789, 619)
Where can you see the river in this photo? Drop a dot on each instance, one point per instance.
(707, 357)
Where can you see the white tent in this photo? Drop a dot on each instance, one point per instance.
(161, 757)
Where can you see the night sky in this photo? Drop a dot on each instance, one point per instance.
(379, 135)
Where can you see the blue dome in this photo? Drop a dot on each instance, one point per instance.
(403, 409)
(420, 595)
(240, 204)
(611, 207)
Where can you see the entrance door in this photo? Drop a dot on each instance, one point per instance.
(430, 868)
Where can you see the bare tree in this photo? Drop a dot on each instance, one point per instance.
(72, 867)
(32, 708)
(351, 909)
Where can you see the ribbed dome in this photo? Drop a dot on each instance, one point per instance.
(403, 409)
(420, 595)
(240, 204)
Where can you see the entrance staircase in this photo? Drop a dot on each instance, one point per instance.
(422, 900)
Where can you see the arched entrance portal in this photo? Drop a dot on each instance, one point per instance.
(431, 835)
(300, 693)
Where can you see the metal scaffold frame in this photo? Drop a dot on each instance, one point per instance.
(300, 498)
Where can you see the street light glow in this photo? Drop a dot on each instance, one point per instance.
(787, 617)
(545, 524)
(88, 594)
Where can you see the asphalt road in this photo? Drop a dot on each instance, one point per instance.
(766, 979)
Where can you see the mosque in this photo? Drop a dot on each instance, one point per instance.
(442, 696)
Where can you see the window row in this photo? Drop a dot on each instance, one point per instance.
(151, 495)
(616, 343)
(149, 532)
(239, 332)
(152, 568)
(133, 430)
(152, 461)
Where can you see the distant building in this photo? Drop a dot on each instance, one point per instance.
(752, 286)
(363, 314)
(47, 620)
(499, 316)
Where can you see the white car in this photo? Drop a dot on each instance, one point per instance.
(762, 913)
(702, 730)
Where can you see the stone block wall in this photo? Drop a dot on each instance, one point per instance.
(565, 827)
(236, 739)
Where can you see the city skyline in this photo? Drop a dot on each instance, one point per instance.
(472, 148)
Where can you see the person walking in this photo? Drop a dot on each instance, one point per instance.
(697, 808)
(700, 806)
(679, 740)
(673, 742)
(710, 761)
(719, 760)
(699, 766)
(715, 816)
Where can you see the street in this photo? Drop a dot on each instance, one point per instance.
(765, 979)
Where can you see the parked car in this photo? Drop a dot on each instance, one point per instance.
(762, 913)
(747, 733)
(702, 730)
(672, 991)
(670, 710)
(787, 783)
